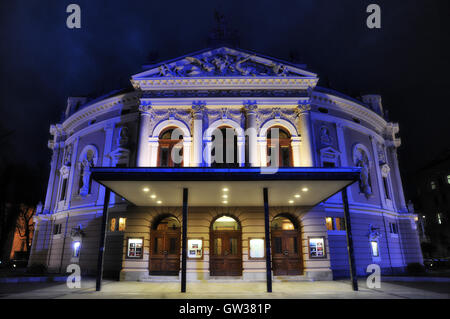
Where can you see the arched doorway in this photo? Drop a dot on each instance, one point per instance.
(225, 247)
(225, 149)
(167, 146)
(280, 150)
(165, 246)
(286, 246)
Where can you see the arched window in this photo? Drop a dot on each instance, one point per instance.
(284, 222)
(225, 223)
(279, 152)
(224, 151)
(166, 223)
(170, 152)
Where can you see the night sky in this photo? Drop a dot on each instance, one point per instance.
(42, 62)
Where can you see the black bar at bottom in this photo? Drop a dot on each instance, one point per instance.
(184, 240)
(267, 235)
(348, 227)
(101, 245)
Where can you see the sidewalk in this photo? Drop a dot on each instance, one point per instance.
(233, 290)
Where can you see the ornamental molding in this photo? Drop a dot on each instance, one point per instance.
(282, 114)
(100, 126)
(226, 84)
(352, 108)
(99, 108)
(385, 169)
(225, 113)
(223, 68)
(344, 123)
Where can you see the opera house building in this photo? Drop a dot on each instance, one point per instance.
(225, 164)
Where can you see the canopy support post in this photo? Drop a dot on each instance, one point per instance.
(101, 246)
(348, 228)
(184, 241)
(267, 240)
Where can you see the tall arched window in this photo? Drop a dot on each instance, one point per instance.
(280, 152)
(170, 152)
(225, 151)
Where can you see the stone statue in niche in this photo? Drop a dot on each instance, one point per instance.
(86, 164)
(325, 137)
(381, 155)
(68, 155)
(361, 159)
(122, 140)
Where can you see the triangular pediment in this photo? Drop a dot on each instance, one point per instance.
(223, 62)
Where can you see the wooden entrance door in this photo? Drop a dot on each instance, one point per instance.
(286, 253)
(165, 252)
(226, 253)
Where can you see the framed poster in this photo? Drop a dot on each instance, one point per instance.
(256, 248)
(317, 247)
(195, 248)
(135, 248)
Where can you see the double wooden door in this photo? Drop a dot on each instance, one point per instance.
(226, 253)
(286, 253)
(165, 252)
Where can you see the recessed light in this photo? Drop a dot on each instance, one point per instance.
(291, 202)
(225, 196)
(297, 196)
(146, 189)
(305, 189)
(153, 196)
(159, 202)
(225, 202)
(225, 189)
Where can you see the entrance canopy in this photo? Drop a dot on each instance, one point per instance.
(225, 186)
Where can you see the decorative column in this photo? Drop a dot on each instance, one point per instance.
(106, 161)
(377, 170)
(401, 195)
(187, 142)
(343, 153)
(55, 147)
(197, 114)
(262, 144)
(153, 145)
(73, 164)
(241, 151)
(143, 154)
(304, 125)
(250, 108)
(296, 145)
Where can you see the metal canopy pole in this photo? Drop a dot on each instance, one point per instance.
(348, 227)
(267, 239)
(101, 246)
(184, 240)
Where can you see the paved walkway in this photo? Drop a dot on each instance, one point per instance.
(232, 290)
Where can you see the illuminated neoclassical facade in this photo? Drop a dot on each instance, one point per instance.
(161, 136)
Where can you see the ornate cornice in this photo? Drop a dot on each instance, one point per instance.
(96, 109)
(226, 83)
